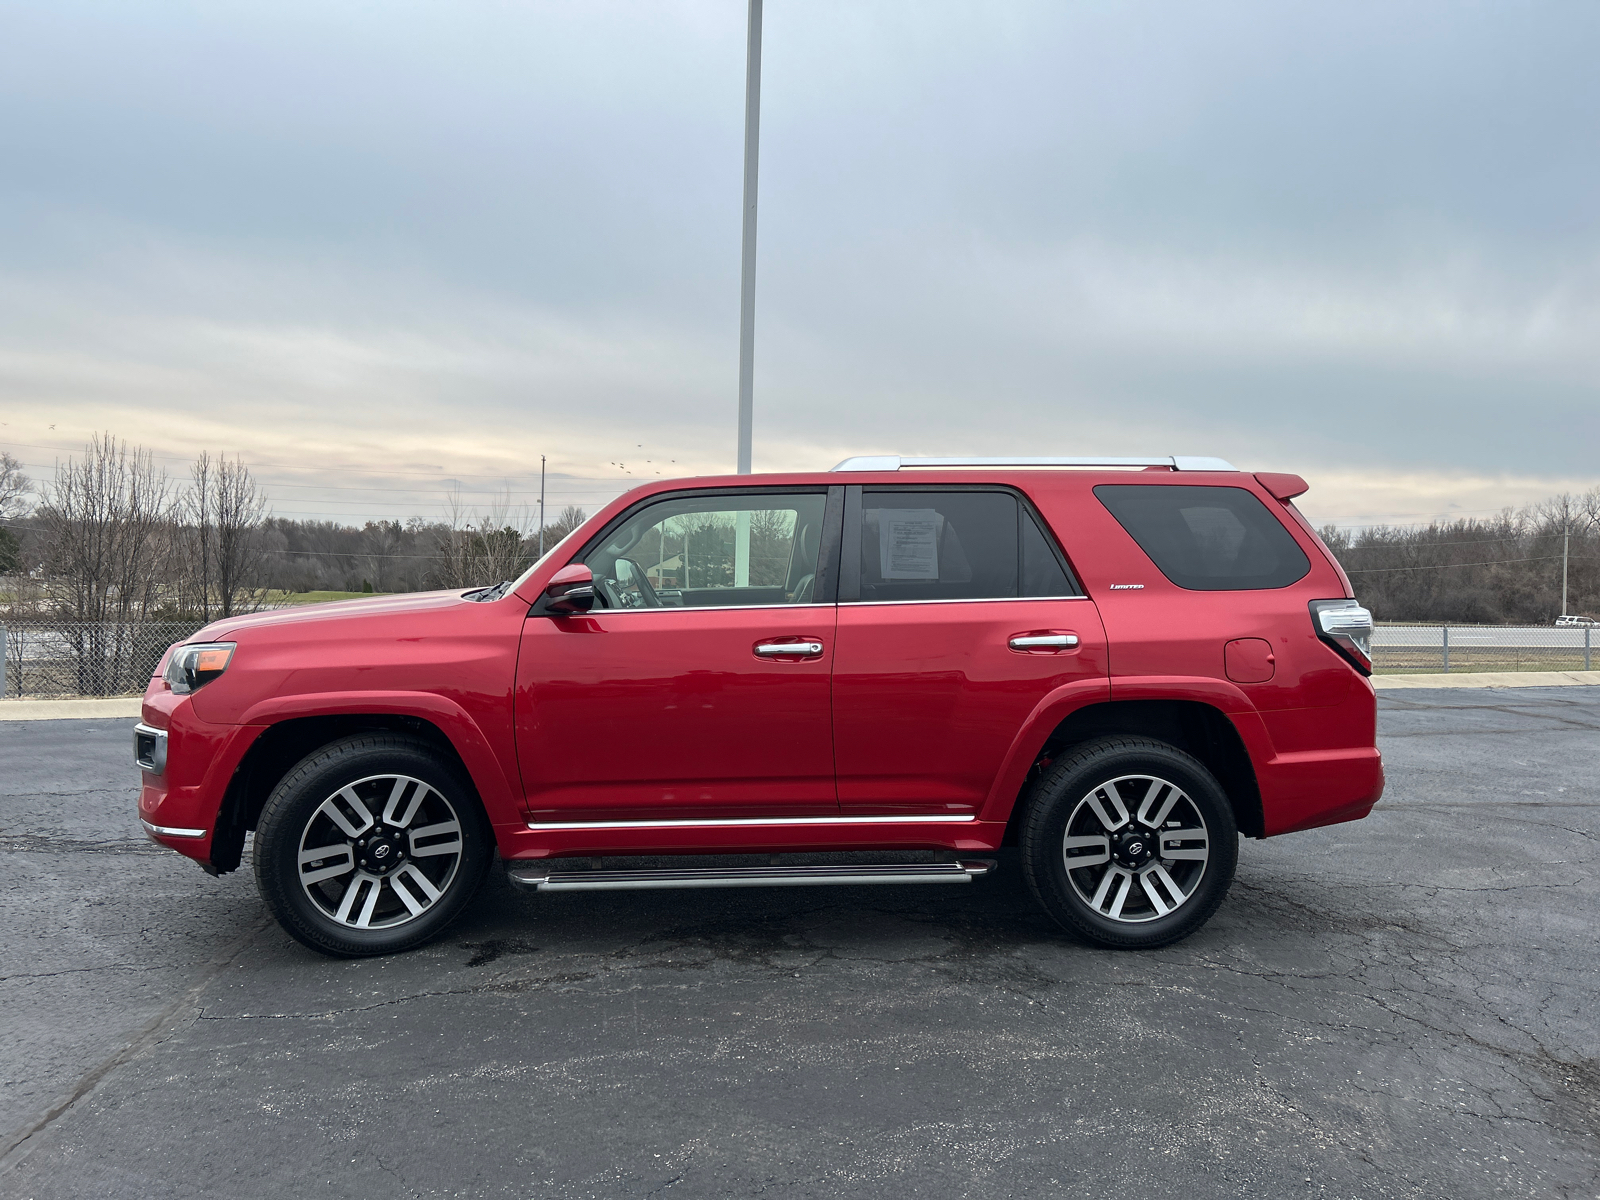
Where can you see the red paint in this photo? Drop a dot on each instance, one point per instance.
(1249, 660)
(911, 710)
(1283, 487)
(928, 697)
(624, 715)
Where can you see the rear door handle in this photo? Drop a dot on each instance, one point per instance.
(1043, 641)
(775, 649)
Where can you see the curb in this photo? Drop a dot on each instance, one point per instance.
(1489, 679)
(115, 708)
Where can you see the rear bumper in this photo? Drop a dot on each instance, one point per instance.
(1319, 787)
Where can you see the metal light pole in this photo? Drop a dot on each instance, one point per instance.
(541, 506)
(747, 272)
(1566, 546)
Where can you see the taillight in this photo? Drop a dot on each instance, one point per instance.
(192, 667)
(1347, 627)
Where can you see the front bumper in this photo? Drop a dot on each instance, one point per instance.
(186, 765)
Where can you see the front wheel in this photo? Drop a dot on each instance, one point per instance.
(1129, 843)
(371, 845)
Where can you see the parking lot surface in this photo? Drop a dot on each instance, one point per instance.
(1404, 1006)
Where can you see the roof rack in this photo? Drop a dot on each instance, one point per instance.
(894, 462)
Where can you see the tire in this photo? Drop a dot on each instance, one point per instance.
(1100, 844)
(407, 846)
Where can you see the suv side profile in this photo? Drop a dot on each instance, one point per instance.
(1117, 665)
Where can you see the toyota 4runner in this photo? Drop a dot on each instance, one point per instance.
(1116, 665)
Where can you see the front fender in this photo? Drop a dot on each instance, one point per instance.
(476, 751)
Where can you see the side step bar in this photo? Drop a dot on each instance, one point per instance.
(541, 879)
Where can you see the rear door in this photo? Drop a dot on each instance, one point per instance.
(958, 614)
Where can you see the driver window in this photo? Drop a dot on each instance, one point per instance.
(709, 551)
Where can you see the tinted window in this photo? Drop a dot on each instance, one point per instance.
(937, 545)
(1210, 539)
(1042, 574)
(700, 551)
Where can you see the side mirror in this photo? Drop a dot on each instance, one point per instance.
(569, 592)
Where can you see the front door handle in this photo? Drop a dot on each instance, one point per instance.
(1043, 641)
(774, 649)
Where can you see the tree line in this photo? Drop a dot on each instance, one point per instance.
(1501, 570)
(112, 538)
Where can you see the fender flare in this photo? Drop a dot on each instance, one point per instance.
(477, 754)
(1221, 695)
(1056, 706)
(1059, 704)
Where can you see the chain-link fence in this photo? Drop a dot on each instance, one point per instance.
(1424, 649)
(56, 658)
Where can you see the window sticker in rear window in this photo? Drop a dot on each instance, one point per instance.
(1208, 539)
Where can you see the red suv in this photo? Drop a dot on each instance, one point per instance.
(1117, 665)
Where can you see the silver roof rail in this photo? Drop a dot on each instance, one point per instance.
(894, 462)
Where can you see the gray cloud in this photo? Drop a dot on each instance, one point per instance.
(1360, 240)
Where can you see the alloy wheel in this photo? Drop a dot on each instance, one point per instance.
(1136, 848)
(380, 852)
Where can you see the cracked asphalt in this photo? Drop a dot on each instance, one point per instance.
(1401, 1007)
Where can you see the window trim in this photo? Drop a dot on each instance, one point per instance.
(850, 536)
(826, 585)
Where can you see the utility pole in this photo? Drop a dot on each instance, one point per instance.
(747, 261)
(1566, 545)
(541, 506)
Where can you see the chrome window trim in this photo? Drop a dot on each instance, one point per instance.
(957, 600)
(673, 608)
(171, 830)
(606, 612)
(746, 822)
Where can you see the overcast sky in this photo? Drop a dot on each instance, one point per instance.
(374, 248)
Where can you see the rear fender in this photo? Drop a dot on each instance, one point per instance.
(1054, 708)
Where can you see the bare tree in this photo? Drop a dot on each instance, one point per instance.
(105, 521)
(240, 507)
(222, 513)
(14, 488)
(481, 548)
(571, 517)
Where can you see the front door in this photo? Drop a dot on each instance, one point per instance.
(957, 615)
(698, 686)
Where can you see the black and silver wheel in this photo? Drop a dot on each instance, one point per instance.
(1129, 843)
(370, 845)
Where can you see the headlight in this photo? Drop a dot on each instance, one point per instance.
(1347, 627)
(192, 667)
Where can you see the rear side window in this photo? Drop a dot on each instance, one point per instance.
(1207, 539)
(954, 545)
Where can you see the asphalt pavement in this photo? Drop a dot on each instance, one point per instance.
(1402, 1007)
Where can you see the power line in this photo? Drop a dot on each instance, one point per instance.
(1446, 566)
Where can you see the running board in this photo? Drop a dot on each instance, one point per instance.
(542, 879)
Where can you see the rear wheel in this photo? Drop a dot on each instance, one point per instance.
(371, 845)
(1129, 843)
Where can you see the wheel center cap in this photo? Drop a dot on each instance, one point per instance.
(381, 851)
(1135, 846)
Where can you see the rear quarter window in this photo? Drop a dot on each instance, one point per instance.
(1207, 539)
